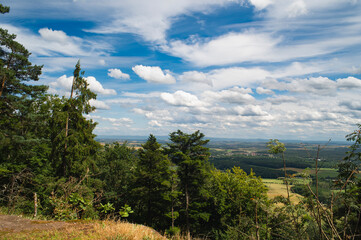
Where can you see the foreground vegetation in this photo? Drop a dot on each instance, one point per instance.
(51, 165)
(85, 230)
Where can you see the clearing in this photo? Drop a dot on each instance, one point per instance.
(15, 227)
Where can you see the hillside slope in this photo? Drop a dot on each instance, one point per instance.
(16, 227)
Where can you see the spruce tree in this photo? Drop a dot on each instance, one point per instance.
(190, 155)
(153, 183)
(73, 143)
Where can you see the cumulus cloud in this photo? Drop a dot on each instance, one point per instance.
(154, 74)
(159, 115)
(352, 105)
(250, 111)
(123, 101)
(181, 98)
(65, 83)
(114, 121)
(234, 95)
(237, 76)
(316, 85)
(281, 99)
(54, 35)
(99, 104)
(261, 90)
(348, 83)
(195, 77)
(319, 85)
(97, 87)
(141, 95)
(118, 74)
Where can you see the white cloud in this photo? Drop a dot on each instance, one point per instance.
(281, 99)
(99, 104)
(123, 101)
(51, 42)
(319, 85)
(114, 121)
(237, 76)
(234, 95)
(195, 77)
(97, 87)
(141, 95)
(227, 49)
(154, 74)
(348, 83)
(118, 74)
(261, 90)
(65, 83)
(149, 19)
(296, 8)
(250, 111)
(54, 35)
(261, 4)
(352, 105)
(181, 98)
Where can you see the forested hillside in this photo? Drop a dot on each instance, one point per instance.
(51, 165)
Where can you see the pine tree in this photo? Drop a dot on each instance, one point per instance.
(18, 126)
(20, 122)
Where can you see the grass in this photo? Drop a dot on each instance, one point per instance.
(277, 187)
(102, 230)
(326, 172)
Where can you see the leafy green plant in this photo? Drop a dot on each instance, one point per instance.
(173, 231)
(125, 211)
(106, 208)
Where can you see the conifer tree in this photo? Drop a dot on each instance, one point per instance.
(73, 143)
(17, 98)
(190, 155)
(20, 123)
(153, 183)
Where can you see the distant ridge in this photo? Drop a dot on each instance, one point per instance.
(115, 138)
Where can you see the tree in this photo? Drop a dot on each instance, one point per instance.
(117, 165)
(21, 127)
(190, 155)
(237, 203)
(73, 143)
(153, 183)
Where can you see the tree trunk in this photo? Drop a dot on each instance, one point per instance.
(187, 213)
(65, 164)
(2, 85)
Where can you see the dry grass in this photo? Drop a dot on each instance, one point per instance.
(102, 230)
(277, 189)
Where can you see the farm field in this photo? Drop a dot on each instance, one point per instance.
(276, 187)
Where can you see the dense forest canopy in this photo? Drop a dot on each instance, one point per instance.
(48, 147)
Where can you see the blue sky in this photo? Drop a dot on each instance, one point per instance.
(286, 69)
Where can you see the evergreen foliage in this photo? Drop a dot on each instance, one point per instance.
(47, 146)
(152, 183)
(190, 155)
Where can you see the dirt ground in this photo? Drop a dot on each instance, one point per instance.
(11, 223)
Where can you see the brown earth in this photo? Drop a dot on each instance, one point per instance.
(18, 227)
(10, 223)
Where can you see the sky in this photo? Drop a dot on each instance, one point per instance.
(287, 69)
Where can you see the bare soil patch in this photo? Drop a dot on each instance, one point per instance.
(10, 223)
